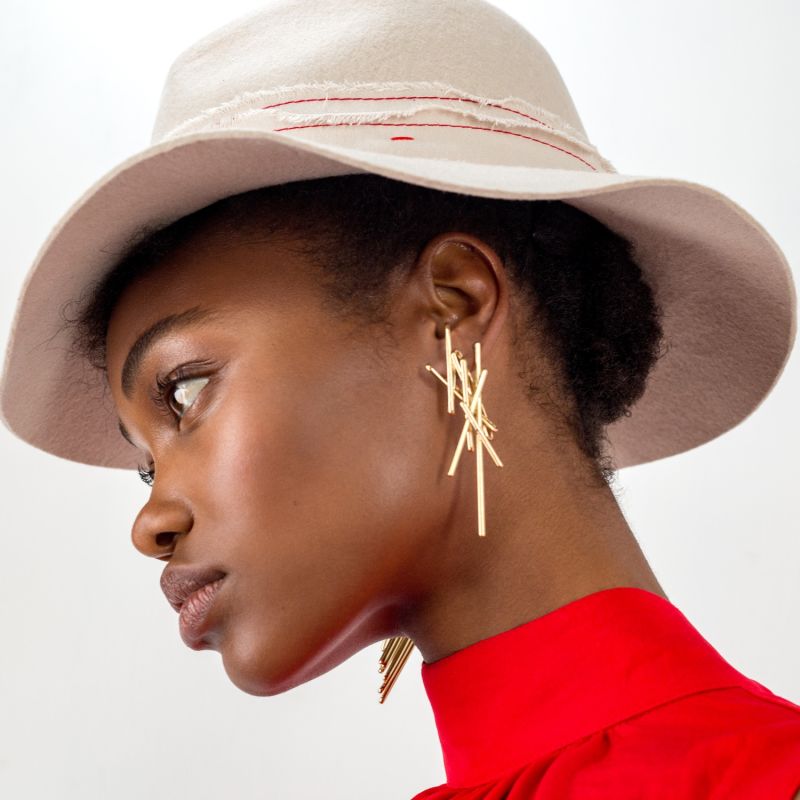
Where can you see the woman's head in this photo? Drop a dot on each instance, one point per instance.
(310, 461)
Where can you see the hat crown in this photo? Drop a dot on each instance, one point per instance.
(468, 47)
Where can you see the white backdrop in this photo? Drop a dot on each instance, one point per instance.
(99, 697)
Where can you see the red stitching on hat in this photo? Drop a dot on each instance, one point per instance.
(412, 97)
(437, 125)
(402, 138)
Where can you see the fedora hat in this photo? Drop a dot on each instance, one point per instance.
(450, 94)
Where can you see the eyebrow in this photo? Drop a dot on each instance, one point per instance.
(147, 340)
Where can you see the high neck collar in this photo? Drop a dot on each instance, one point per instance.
(518, 695)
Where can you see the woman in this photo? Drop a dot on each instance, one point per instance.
(314, 371)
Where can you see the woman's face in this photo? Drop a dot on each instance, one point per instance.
(310, 466)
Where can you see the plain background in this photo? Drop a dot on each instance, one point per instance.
(99, 697)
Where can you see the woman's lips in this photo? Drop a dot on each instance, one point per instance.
(194, 613)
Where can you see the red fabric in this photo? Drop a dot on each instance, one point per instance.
(615, 695)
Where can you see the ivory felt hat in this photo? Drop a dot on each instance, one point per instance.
(450, 94)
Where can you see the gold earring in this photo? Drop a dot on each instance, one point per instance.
(478, 431)
(477, 434)
(394, 654)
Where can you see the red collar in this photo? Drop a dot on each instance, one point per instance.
(521, 694)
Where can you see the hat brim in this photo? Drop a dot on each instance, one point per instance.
(724, 284)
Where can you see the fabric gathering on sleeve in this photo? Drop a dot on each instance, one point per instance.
(615, 695)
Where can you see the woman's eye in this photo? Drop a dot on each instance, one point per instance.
(185, 391)
(181, 392)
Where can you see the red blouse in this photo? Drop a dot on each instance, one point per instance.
(616, 696)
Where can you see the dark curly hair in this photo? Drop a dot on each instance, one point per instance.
(580, 294)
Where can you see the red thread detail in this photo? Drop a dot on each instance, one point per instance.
(437, 125)
(412, 97)
(402, 138)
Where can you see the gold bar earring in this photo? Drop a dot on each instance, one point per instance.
(477, 433)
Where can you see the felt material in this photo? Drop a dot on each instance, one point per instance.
(612, 695)
(305, 89)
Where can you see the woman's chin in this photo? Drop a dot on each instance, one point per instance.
(256, 672)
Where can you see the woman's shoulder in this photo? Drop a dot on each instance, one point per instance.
(729, 743)
(737, 742)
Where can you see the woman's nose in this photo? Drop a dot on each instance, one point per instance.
(158, 526)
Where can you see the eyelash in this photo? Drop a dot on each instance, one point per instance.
(164, 387)
(147, 475)
(160, 394)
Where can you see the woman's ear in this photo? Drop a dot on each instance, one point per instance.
(463, 283)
